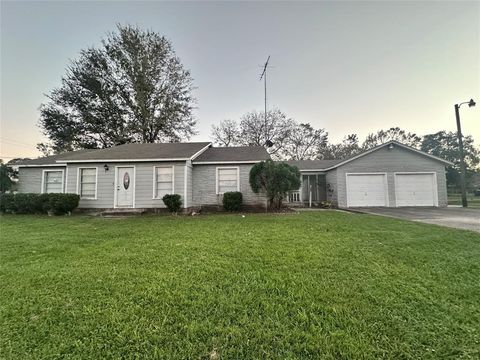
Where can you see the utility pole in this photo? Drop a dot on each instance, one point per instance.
(264, 77)
(462, 157)
(463, 170)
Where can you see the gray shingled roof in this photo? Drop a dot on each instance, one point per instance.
(238, 153)
(313, 164)
(134, 151)
(137, 151)
(48, 160)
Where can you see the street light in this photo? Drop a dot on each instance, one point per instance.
(470, 103)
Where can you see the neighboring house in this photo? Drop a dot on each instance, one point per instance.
(139, 175)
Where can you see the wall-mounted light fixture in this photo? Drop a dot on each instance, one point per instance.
(390, 147)
(105, 167)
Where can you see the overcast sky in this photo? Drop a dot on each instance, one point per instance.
(348, 67)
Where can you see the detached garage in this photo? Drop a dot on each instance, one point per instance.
(391, 175)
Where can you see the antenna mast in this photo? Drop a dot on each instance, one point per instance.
(264, 77)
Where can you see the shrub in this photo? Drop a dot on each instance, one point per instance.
(61, 204)
(7, 203)
(172, 202)
(25, 203)
(274, 180)
(232, 201)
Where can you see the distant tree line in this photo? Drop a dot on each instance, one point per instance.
(301, 141)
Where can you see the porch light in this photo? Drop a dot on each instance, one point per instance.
(105, 167)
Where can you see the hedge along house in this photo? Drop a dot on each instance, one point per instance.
(389, 175)
(139, 175)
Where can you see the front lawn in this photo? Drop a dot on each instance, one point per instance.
(311, 285)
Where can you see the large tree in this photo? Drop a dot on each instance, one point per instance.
(348, 147)
(304, 143)
(255, 131)
(394, 133)
(445, 145)
(133, 88)
(291, 140)
(227, 133)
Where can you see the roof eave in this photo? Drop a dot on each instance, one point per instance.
(121, 160)
(446, 162)
(226, 162)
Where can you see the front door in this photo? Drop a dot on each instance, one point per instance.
(125, 186)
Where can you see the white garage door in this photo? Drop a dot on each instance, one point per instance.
(415, 190)
(366, 190)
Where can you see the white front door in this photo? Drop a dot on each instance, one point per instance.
(125, 186)
(415, 189)
(367, 190)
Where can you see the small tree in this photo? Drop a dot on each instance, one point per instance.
(274, 180)
(5, 177)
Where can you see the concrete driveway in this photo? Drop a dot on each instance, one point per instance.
(455, 217)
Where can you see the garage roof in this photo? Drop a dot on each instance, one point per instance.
(325, 165)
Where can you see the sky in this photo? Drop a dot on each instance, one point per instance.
(347, 67)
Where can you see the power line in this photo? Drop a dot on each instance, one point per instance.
(18, 144)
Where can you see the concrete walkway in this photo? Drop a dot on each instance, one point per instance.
(455, 217)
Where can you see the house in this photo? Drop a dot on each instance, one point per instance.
(139, 175)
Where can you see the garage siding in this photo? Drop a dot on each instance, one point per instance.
(204, 186)
(331, 179)
(389, 161)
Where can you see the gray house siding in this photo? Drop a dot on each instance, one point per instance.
(143, 183)
(204, 186)
(30, 178)
(389, 162)
(331, 186)
(189, 177)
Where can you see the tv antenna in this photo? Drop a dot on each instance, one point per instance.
(268, 142)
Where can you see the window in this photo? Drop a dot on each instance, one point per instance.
(87, 183)
(53, 181)
(163, 181)
(227, 180)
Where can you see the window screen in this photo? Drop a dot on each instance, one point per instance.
(163, 181)
(53, 181)
(227, 180)
(88, 180)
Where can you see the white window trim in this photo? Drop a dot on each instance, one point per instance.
(226, 167)
(154, 185)
(115, 184)
(43, 179)
(79, 180)
(435, 183)
(385, 185)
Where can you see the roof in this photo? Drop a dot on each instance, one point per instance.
(245, 154)
(325, 165)
(127, 152)
(388, 143)
(50, 160)
(312, 164)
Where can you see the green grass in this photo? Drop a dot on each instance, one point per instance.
(456, 199)
(311, 285)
